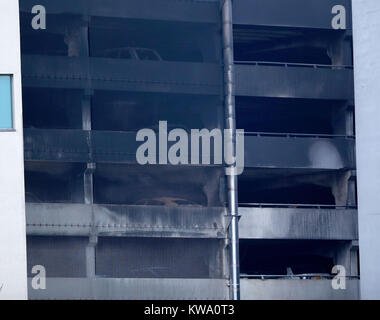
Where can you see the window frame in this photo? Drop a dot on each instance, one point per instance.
(12, 128)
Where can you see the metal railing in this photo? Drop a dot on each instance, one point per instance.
(313, 276)
(295, 206)
(294, 64)
(298, 135)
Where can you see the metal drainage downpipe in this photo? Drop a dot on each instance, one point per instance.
(230, 123)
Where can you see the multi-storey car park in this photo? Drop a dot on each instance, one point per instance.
(106, 227)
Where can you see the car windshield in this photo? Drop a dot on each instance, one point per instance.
(112, 54)
(150, 202)
(125, 54)
(183, 202)
(145, 54)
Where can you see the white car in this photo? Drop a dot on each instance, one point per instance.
(132, 53)
(166, 201)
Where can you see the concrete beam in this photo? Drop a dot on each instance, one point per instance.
(125, 221)
(294, 13)
(122, 74)
(202, 12)
(294, 82)
(282, 289)
(132, 289)
(297, 223)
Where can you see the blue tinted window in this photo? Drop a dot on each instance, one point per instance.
(5, 102)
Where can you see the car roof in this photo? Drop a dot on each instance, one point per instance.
(139, 48)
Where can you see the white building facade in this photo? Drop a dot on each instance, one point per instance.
(13, 280)
(366, 28)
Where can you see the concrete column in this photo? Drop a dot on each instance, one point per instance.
(366, 30)
(351, 196)
(354, 252)
(350, 128)
(88, 184)
(76, 38)
(342, 119)
(91, 257)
